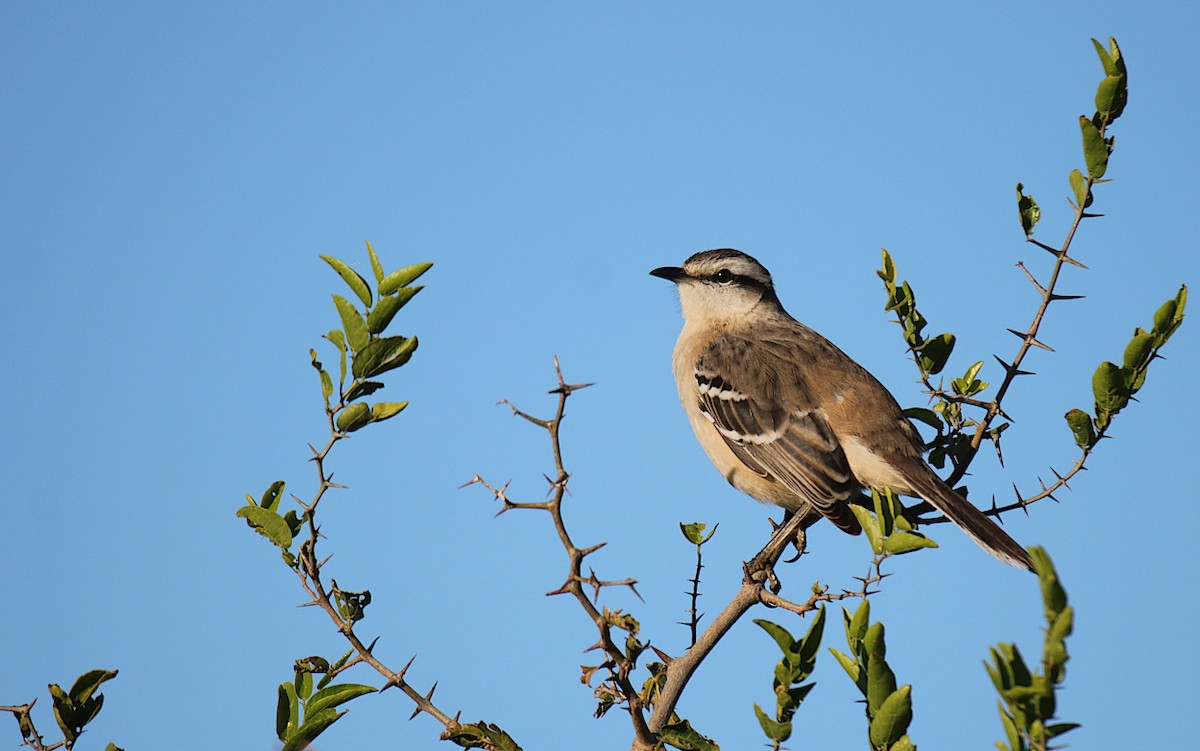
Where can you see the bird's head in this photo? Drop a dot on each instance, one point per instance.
(717, 284)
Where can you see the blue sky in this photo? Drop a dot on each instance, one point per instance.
(172, 173)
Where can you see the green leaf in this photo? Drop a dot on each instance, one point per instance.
(1113, 94)
(354, 417)
(1108, 386)
(1058, 728)
(402, 277)
(361, 389)
(383, 355)
(1083, 194)
(903, 744)
(927, 416)
(326, 386)
(64, 712)
(935, 352)
(267, 523)
(356, 283)
(884, 511)
(353, 323)
(888, 272)
(694, 532)
(1080, 423)
(775, 731)
(339, 340)
(1139, 349)
(481, 735)
(287, 711)
(900, 542)
(270, 498)
(681, 735)
(881, 681)
(812, 641)
(313, 726)
(86, 684)
(856, 627)
(381, 411)
(86, 711)
(335, 695)
(1169, 317)
(892, 718)
(376, 266)
(870, 525)
(1106, 59)
(1030, 212)
(1054, 597)
(1095, 149)
(382, 314)
(1110, 97)
(303, 685)
(779, 634)
(1010, 730)
(847, 663)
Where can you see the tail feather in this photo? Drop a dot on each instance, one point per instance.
(971, 520)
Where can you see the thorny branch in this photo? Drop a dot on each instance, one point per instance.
(754, 591)
(29, 733)
(308, 569)
(1029, 341)
(619, 664)
(759, 586)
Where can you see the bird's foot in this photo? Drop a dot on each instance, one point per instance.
(761, 568)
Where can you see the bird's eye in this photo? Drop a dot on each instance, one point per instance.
(724, 276)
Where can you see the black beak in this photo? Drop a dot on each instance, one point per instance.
(670, 273)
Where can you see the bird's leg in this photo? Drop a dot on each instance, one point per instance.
(761, 568)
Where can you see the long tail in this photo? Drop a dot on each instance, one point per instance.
(971, 520)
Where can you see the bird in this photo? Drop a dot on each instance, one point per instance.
(790, 419)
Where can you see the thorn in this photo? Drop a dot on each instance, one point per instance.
(403, 670)
(473, 481)
(1088, 215)
(632, 586)
(1055, 296)
(564, 589)
(371, 646)
(1029, 276)
(588, 551)
(567, 388)
(1012, 369)
(1044, 246)
(1073, 262)
(666, 658)
(428, 696)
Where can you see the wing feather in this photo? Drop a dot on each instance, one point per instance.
(769, 420)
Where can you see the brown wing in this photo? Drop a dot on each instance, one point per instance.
(770, 422)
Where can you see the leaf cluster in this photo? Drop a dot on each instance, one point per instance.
(887, 529)
(799, 659)
(74, 709)
(362, 340)
(931, 354)
(1114, 385)
(481, 735)
(889, 707)
(300, 714)
(365, 352)
(1027, 698)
